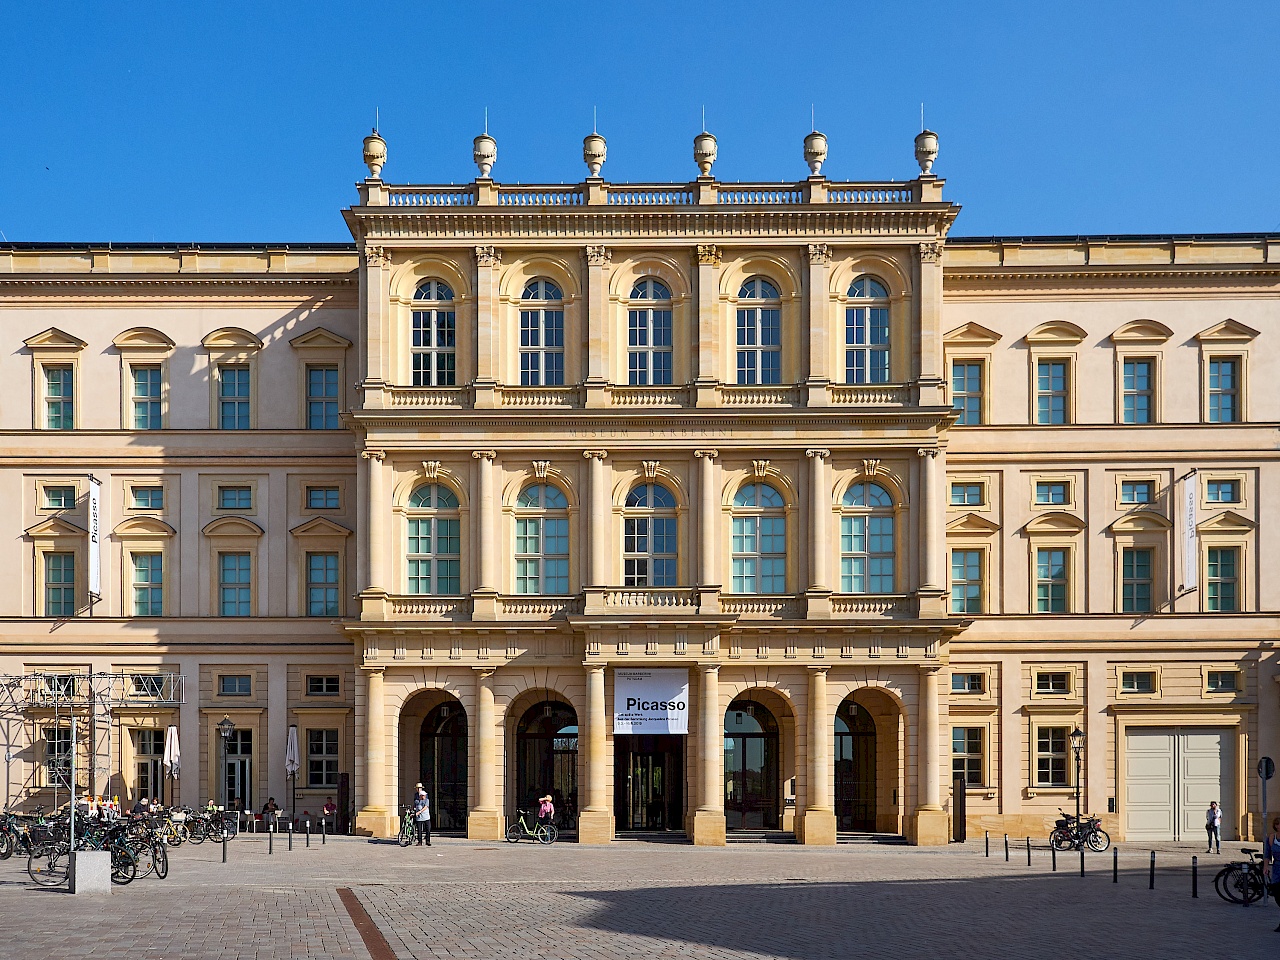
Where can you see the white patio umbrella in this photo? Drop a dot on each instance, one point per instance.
(172, 757)
(292, 764)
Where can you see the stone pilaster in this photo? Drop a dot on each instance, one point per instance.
(485, 821)
(595, 822)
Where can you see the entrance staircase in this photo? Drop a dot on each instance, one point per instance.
(885, 839)
(760, 836)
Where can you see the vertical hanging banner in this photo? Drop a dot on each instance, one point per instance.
(651, 701)
(95, 537)
(1190, 553)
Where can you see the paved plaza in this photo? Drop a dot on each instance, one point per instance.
(467, 899)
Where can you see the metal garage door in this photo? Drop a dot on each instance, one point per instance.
(1171, 774)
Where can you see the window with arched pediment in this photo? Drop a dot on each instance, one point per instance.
(649, 537)
(542, 540)
(866, 332)
(759, 332)
(649, 334)
(541, 334)
(434, 349)
(759, 540)
(867, 552)
(435, 541)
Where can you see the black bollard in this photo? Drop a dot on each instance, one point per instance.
(1053, 852)
(224, 846)
(987, 840)
(1028, 851)
(1195, 880)
(271, 839)
(308, 834)
(290, 834)
(1006, 848)
(1115, 864)
(1151, 878)
(1082, 859)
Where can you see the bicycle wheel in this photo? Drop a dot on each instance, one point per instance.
(197, 831)
(1061, 840)
(47, 865)
(514, 832)
(1221, 884)
(142, 853)
(1253, 889)
(6, 846)
(124, 866)
(160, 860)
(1234, 881)
(547, 833)
(1099, 840)
(406, 835)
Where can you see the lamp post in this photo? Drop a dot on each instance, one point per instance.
(226, 727)
(1077, 748)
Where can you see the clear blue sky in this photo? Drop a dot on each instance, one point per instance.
(242, 121)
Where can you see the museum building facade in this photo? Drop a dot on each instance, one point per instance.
(723, 509)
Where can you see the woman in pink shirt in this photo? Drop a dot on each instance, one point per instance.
(546, 809)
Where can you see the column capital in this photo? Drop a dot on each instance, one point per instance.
(598, 255)
(817, 454)
(593, 666)
(378, 455)
(819, 667)
(488, 256)
(376, 257)
(484, 672)
(484, 454)
(595, 454)
(819, 253)
(374, 670)
(709, 667)
(931, 251)
(929, 669)
(708, 254)
(930, 452)
(706, 454)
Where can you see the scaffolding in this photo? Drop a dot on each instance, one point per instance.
(50, 699)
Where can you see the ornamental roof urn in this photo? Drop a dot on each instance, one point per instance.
(926, 150)
(593, 152)
(485, 153)
(704, 152)
(815, 152)
(375, 153)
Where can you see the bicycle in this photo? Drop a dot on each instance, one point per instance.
(544, 833)
(1242, 881)
(405, 836)
(1072, 833)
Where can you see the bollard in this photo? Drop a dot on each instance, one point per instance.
(1195, 880)
(224, 846)
(290, 834)
(1028, 851)
(1115, 864)
(987, 841)
(1151, 878)
(308, 834)
(1006, 848)
(1082, 859)
(271, 839)
(323, 831)
(1053, 852)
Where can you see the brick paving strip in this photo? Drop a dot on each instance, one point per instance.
(373, 939)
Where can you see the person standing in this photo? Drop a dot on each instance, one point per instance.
(422, 815)
(1270, 859)
(546, 810)
(1213, 826)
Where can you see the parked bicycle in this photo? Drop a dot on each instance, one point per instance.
(405, 836)
(1242, 881)
(541, 832)
(1072, 833)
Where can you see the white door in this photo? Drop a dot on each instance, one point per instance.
(1171, 774)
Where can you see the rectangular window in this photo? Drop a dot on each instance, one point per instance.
(235, 592)
(1137, 681)
(147, 686)
(1051, 757)
(148, 585)
(1052, 392)
(966, 495)
(1224, 390)
(235, 685)
(322, 498)
(147, 498)
(1053, 682)
(322, 398)
(323, 686)
(1223, 491)
(322, 758)
(235, 498)
(968, 682)
(1053, 492)
(59, 498)
(542, 348)
(233, 396)
(1223, 681)
(1136, 580)
(150, 743)
(760, 561)
(649, 551)
(435, 341)
(542, 555)
(966, 391)
(866, 337)
(322, 585)
(145, 397)
(867, 555)
(435, 556)
(57, 756)
(649, 347)
(1135, 491)
(1138, 391)
(1221, 589)
(966, 755)
(59, 584)
(59, 397)
(966, 581)
(759, 335)
(1051, 580)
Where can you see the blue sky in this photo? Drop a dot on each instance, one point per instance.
(232, 121)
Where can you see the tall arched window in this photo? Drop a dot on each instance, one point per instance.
(542, 541)
(759, 540)
(649, 537)
(759, 332)
(867, 552)
(435, 546)
(541, 334)
(649, 334)
(434, 336)
(866, 332)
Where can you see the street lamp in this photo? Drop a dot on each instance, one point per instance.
(1077, 748)
(226, 727)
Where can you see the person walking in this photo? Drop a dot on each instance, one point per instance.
(1213, 826)
(1271, 862)
(422, 815)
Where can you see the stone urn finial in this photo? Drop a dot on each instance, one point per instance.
(593, 152)
(704, 152)
(815, 152)
(485, 153)
(375, 153)
(926, 151)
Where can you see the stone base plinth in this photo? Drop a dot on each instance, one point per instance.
(817, 828)
(930, 828)
(708, 828)
(90, 871)
(595, 826)
(486, 825)
(375, 822)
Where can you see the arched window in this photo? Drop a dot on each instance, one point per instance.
(759, 540)
(759, 333)
(434, 336)
(542, 541)
(649, 537)
(541, 334)
(435, 547)
(866, 332)
(866, 540)
(649, 334)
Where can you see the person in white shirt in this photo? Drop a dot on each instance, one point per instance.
(1213, 826)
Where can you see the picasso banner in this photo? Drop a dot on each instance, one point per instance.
(651, 701)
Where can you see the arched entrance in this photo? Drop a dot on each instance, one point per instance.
(750, 767)
(855, 768)
(547, 760)
(444, 765)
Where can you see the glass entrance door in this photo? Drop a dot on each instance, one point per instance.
(236, 779)
(750, 767)
(855, 768)
(444, 765)
(648, 782)
(547, 761)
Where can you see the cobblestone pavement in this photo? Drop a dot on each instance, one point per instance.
(465, 899)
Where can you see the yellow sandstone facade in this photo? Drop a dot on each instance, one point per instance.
(902, 511)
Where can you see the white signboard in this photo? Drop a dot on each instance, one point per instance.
(1190, 553)
(651, 701)
(95, 537)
